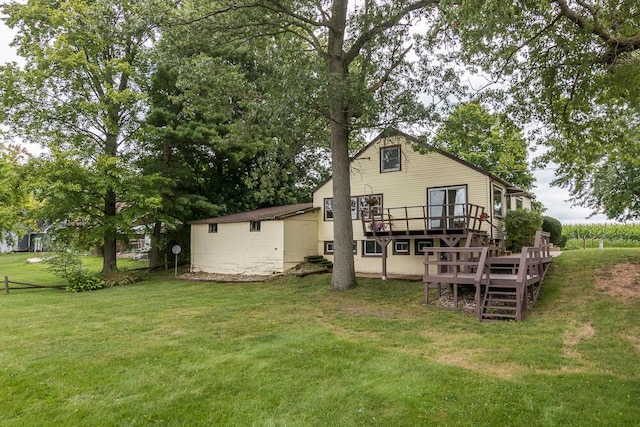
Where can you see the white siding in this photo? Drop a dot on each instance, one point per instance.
(234, 249)
(300, 238)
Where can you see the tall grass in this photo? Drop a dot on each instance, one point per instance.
(292, 352)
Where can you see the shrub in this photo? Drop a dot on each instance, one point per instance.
(554, 228)
(521, 226)
(67, 264)
(85, 282)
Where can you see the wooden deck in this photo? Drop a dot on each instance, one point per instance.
(504, 285)
(459, 218)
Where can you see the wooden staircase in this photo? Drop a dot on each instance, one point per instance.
(504, 285)
(500, 302)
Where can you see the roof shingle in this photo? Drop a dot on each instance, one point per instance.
(264, 214)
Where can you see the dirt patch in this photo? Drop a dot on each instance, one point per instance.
(634, 339)
(466, 299)
(300, 270)
(363, 311)
(621, 281)
(572, 338)
(224, 278)
(470, 360)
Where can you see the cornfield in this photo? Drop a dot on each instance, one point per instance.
(626, 231)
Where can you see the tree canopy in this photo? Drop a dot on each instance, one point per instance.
(80, 94)
(573, 68)
(15, 200)
(490, 141)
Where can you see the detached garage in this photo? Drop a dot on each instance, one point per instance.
(264, 241)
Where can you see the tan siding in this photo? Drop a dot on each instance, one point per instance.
(300, 238)
(407, 187)
(236, 250)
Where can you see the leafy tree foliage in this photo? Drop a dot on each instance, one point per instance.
(490, 141)
(80, 95)
(212, 129)
(574, 67)
(361, 76)
(14, 199)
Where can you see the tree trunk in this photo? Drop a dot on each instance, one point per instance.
(109, 260)
(343, 265)
(154, 253)
(110, 234)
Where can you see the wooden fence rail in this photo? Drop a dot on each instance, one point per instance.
(24, 285)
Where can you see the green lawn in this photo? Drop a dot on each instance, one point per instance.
(291, 352)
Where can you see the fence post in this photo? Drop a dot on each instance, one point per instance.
(6, 284)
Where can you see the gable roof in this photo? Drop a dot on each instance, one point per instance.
(264, 214)
(390, 132)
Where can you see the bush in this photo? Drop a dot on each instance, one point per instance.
(84, 282)
(67, 264)
(521, 226)
(554, 228)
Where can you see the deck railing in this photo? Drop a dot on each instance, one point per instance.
(407, 219)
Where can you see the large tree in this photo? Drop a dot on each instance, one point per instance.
(573, 67)
(224, 128)
(363, 76)
(80, 95)
(490, 141)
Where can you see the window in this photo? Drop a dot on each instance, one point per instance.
(447, 207)
(360, 205)
(519, 203)
(329, 247)
(423, 246)
(328, 209)
(401, 247)
(371, 248)
(390, 159)
(368, 204)
(213, 228)
(254, 226)
(498, 206)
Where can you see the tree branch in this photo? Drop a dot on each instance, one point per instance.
(391, 21)
(391, 69)
(616, 46)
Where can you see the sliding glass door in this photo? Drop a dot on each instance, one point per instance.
(447, 207)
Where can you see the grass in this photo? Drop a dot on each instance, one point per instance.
(291, 352)
(15, 266)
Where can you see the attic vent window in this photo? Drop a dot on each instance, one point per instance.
(390, 159)
(213, 228)
(254, 226)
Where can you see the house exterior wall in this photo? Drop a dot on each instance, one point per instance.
(406, 187)
(234, 249)
(300, 238)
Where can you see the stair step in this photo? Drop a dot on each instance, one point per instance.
(503, 293)
(498, 315)
(494, 301)
(498, 309)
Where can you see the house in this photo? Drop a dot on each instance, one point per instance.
(407, 197)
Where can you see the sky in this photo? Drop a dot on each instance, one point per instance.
(553, 198)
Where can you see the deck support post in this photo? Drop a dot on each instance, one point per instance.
(478, 302)
(384, 242)
(384, 262)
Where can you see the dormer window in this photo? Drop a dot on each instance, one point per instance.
(390, 159)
